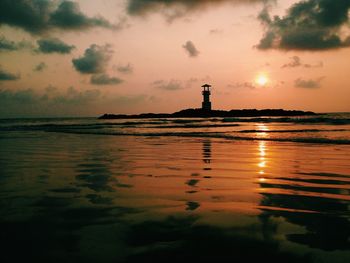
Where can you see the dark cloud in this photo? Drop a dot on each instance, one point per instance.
(173, 9)
(40, 67)
(51, 95)
(21, 97)
(53, 45)
(8, 45)
(308, 84)
(32, 16)
(125, 69)
(267, 41)
(28, 102)
(191, 49)
(4, 75)
(39, 16)
(104, 79)
(168, 85)
(308, 25)
(69, 16)
(296, 62)
(94, 60)
(57, 102)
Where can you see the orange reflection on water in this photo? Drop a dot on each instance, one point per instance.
(262, 164)
(261, 131)
(262, 179)
(262, 159)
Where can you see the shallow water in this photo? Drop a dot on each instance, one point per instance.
(200, 194)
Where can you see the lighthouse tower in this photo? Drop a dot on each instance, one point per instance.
(206, 104)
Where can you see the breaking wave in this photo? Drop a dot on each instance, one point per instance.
(203, 135)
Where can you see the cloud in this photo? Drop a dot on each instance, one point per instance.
(40, 16)
(253, 85)
(18, 97)
(129, 100)
(51, 95)
(8, 45)
(51, 102)
(318, 65)
(94, 60)
(308, 25)
(69, 16)
(191, 49)
(171, 85)
(174, 84)
(308, 84)
(121, 24)
(74, 97)
(40, 67)
(173, 9)
(236, 85)
(216, 31)
(57, 102)
(53, 45)
(4, 75)
(104, 79)
(125, 69)
(296, 62)
(31, 16)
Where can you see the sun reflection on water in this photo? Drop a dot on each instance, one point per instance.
(262, 131)
(262, 160)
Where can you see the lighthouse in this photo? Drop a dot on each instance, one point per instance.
(206, 104)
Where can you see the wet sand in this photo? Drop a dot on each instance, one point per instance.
(92, 198)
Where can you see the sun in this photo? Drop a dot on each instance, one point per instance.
(261, 80)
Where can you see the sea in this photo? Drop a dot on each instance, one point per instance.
(275, 189)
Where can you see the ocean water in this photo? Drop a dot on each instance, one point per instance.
(214, 189)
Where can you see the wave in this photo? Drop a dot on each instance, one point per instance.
(323, 174)
(143, 127)
(193, 126)
(173, 123)
(316, 120)
(151, 125)
(95, 125)
(188, 120)
(314, 140)
(293, 131)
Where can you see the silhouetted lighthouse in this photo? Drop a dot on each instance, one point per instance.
(206, 104)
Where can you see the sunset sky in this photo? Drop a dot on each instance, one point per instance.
(88, 57)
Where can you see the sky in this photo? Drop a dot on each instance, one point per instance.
(88, 57)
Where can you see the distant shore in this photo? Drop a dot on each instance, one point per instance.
(199, 113)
